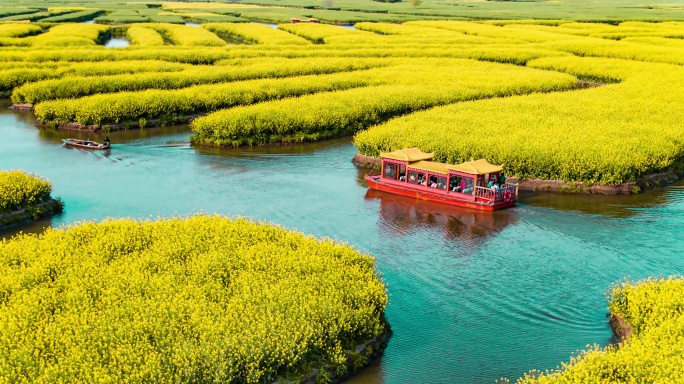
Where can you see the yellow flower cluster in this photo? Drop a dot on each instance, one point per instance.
(144, 37)
(410, 88)
(654, 352)
(204, 299)
(569, 136)
(16, 77)
(131, 106)
(317, 33)
(185, 35)
(255, 33)
(65, 35)
(544, 136)
(20, 190)
(18, 30)
(77, 86)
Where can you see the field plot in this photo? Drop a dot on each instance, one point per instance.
(221, 301)
(503, 90)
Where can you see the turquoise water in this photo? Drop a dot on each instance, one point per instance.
(474, 296)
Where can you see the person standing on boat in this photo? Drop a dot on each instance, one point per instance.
(107, 143)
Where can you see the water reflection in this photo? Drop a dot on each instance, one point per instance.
(620, 206)
(258, 151)
(401, 216)
(129, 136)
(474, 296)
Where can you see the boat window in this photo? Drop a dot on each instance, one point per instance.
(435, 181)
(461, 184)
(416, 177)
(390, 171)
(441, 182)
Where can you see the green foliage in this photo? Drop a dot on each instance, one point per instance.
(220, 300)
(74, 17)
(323, 377)
(357, 360)
(13, 11)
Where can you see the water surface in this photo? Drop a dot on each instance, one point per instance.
(117, 42)
(474, 296)
(274, 26)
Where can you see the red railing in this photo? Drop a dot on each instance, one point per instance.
(493, 195)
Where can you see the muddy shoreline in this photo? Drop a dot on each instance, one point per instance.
(35, 212)
(642, 184)
(622, 330)
(369, 351)
(152, 123)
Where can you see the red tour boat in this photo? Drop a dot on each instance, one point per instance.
(474, 184)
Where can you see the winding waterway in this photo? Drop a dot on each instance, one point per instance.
(474, 296)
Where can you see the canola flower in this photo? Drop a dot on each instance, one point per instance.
(79, 86)
(28, 73)
(144, 37)
(569, 136)
(185, 35)
(20, 190)
(330, 114)
(255, 33)
(18, 30)
(653, 353)
(546, 137)
(204, 299)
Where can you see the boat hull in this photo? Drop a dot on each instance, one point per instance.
(78, 144)
(375, 183)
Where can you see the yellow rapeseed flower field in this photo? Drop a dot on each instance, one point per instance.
(20, 190)
(204, 299)
(654, 352)
(623, 130)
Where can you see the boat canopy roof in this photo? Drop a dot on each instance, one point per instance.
(408, 154)
(477, 167)
(430, 166)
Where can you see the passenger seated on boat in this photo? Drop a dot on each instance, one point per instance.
(463, 185)
(412, 177)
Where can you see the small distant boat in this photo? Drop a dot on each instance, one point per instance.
(410, 172)
(87, 144)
